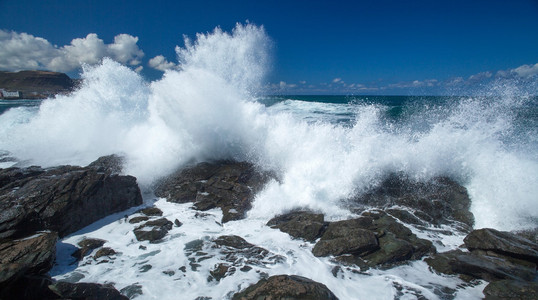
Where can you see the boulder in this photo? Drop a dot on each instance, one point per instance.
(346, 237)
(437, 201)
(33, 255)
(290, 287)
(491, 268)
(62, 199)
(86, 247)
(375, 239)
(300, 224)
(83, 290)
(228, 185)
(511, 289)
(153, 230)
(502, 242)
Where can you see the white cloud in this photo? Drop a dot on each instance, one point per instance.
(159, 62)
(480, 76)
(523, 71)
(22, 51)
(336, 80)
(283, 85)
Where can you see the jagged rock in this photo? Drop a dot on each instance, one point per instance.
(105, 251)
(152, 212)
(346, 237)
(300, 224)
(138, 219)
(62, 199)
(86, 247)
(374, 239)
(438, 201)
(511, 289)
(132, 290)
(490, 268)
(33, 255)
(82, 290)
(221, 270)
(153, 230)
(286, 287)
(502, 242)
(29, 287)
(228, 185)
(111, 164)
(479, 264)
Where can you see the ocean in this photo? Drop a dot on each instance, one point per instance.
(324, 149)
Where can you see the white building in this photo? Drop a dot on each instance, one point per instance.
(5, 94)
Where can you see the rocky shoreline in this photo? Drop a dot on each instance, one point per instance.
(39, 206)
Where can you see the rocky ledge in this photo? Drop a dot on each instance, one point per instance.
(228, 185)
(38, 206)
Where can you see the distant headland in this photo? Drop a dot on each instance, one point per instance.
(34, 84)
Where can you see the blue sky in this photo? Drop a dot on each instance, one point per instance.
(368, 47)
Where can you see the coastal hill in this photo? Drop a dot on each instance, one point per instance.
(35, 84)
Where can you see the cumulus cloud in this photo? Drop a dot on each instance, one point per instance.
(159, 62)
(523, 71)
(22, 51)
(336, 80)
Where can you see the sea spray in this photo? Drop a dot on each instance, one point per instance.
(322, 153)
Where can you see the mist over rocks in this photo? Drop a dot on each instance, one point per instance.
(438, 201)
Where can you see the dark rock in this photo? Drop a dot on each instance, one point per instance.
(300, 224)
(511, 289)
(286, 287)
(32, 255)
(438, 201)
(221, 270)
(375, 239)
(490, 268)
(86, 247)
(67, 290)
(502, 242)
(145, 268)
(29, 287)
(138, 219)
(480, 265)
(346, 237)
(111, 164)
(169, 272)
(152, 211)
(62, 199)
(153, 230)
(105, 251)
(228, 185)
(177, 223)
(132, 290)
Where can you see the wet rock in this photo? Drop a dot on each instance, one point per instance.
(346, 237)
(138, 219)
(29, 256)
(490, 268)
(375, 239)
(511, 289)
(228, 185)
(286, 287)
(132, 291)
(111, 164)
(502, 242)
(239, 252)
(153, 230)
(221, 270)
(438, 201)
(177, 223)
(67, 290)
(86, 247)
(152, 211)
(300, 224)
(105, 251)
(62, 199)
(29, 287)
